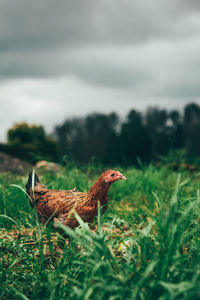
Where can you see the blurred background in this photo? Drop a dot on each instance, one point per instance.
(114, 81)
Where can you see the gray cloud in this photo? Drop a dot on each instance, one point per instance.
(46, 23)
(36, 35)
(69, 58)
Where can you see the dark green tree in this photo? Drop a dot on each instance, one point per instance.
(32, 141)
(101, 136)
(175, 130)
(191, 126)
(85, 138)
(71, 138)
(156, 121)
(134, 139)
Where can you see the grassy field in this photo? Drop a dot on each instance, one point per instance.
(146, 246)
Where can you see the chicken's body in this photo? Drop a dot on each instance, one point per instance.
(60, 204)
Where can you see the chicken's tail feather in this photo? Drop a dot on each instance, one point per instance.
(33, 179)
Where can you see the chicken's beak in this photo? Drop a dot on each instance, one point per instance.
(122, 177)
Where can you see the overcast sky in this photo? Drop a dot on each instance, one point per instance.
(66, 58)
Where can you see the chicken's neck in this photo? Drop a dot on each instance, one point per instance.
(99, 192)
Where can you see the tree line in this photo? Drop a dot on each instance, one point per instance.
(140, 136)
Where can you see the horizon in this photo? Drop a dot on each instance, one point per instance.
(122, 118)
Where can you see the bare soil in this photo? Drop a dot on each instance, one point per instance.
(12, 164)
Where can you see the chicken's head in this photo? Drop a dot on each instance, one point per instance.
(111, 176)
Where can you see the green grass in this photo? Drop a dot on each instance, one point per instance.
(146, 246)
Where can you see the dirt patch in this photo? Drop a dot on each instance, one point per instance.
(12, 164)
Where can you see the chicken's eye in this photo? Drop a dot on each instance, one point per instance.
(113, 174)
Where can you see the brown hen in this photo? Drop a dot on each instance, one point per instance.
(59, 205)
